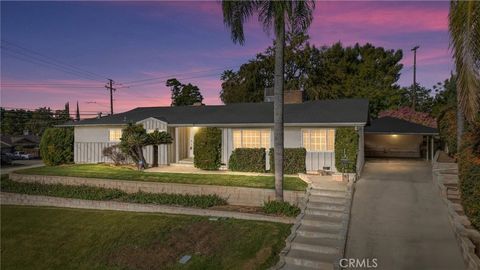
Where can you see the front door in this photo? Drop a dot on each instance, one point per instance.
(191, 136)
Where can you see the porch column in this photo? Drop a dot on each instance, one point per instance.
(176, 144)
(432, 148)
(426, 150)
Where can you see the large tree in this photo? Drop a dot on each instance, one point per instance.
(297, 15)
(464, 27)
(359, 71)
(184, 94)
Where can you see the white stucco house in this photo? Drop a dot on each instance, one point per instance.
(310, 125)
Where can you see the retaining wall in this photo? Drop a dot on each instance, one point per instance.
(233, 195)
(33, 200)
(445, 177)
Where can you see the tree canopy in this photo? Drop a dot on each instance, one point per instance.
(359, 71)
(184, 94)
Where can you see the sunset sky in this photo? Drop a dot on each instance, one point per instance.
(141, 41)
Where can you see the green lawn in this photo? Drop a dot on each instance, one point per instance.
(123, 173)
(55, 238)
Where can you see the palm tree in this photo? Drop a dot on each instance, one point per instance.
(297, 15)
(464, 27)
(156, 138)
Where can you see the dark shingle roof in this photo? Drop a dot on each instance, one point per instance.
(391, 125)
(322, 111)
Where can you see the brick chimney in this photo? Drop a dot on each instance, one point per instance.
(293, 96)
(289, 97)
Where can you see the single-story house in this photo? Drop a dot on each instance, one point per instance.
(310, 124)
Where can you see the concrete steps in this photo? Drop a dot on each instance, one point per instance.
(328, 193)
(313, 260)
(323, 212)
(318, 241)
(325, 206)
(326, 199)
(325, 222)
(316, 232)
(315, 244)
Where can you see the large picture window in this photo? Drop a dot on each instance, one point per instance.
(251, 138)
(115, 134)
(319, 139)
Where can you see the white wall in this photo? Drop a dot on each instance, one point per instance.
(89, 142)
(292, 139)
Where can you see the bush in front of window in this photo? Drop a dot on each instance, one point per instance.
(247, 160)
(56, 146)
(346, 146)
(293, 160)
(206, 149)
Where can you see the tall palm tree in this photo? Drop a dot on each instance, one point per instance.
(297, 15)
(464, 27)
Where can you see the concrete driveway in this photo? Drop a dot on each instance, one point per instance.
(21, 164)
(398, 218)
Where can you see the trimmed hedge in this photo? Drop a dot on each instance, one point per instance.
(56, 146)
(207, 147)
(247, 160)
(469, 173)
(447, 127)
(293, 160)
(107, 194)
(346, 143)
(281, 208)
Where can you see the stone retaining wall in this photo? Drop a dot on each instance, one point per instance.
(445, 177)
(33, 200)
(233, 195)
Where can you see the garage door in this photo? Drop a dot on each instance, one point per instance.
(377, 145)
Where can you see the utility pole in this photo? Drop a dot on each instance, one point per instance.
(414, 88)
(109, 86)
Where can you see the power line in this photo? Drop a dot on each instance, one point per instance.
(30, 51)
(178, 74)
(46, 64)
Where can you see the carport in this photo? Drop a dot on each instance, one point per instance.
(389, 137)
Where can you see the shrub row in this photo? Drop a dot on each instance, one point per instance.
(207, 147)
(293, 160)
(281, 208)
(56, 146)
(346, 145)
(107, 194)
(247, 160)
(469, 173)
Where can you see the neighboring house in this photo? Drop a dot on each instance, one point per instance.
(25, 143)
(310, 125)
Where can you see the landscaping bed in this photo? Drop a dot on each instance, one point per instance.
(108, 194)
(55, 238)
(125, 173)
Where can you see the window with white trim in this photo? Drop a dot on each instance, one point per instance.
(115, 134)
(319, 139)
(251, 138)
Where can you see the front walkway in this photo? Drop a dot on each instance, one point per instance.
(318, 237)
(399, 219)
